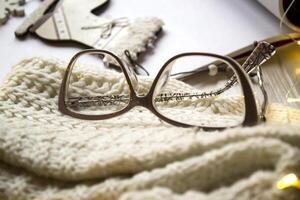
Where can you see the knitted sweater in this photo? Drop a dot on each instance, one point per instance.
(47, 155)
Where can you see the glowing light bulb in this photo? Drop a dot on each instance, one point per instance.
(290, 180)
(298, 42)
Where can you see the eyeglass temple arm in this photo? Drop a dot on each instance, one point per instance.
(261, 53)
(242, 54)
(264, 92)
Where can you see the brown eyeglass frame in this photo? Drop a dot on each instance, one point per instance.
(251, 112)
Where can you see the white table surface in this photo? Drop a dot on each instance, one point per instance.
(217, 26)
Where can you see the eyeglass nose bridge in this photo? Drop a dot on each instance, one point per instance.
(144, 101)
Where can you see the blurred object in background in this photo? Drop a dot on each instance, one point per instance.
(74, 21)
(11, 7)
(279, 7)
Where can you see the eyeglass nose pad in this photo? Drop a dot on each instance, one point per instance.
(133, 78)
(165, 77)
(135, 81)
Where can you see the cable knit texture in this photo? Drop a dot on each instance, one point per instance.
(47, 155)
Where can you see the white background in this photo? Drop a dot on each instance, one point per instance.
(218, 26)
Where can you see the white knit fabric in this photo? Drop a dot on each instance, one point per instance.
(46, 155)
(139, 35)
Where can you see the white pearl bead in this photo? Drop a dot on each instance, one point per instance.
(213, 70)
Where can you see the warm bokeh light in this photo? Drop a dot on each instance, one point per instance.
(290, 180)
(298, 71)
(293, 100)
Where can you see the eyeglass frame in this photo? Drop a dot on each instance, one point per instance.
(251, 112)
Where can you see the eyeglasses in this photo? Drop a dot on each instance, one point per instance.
(87, 93)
